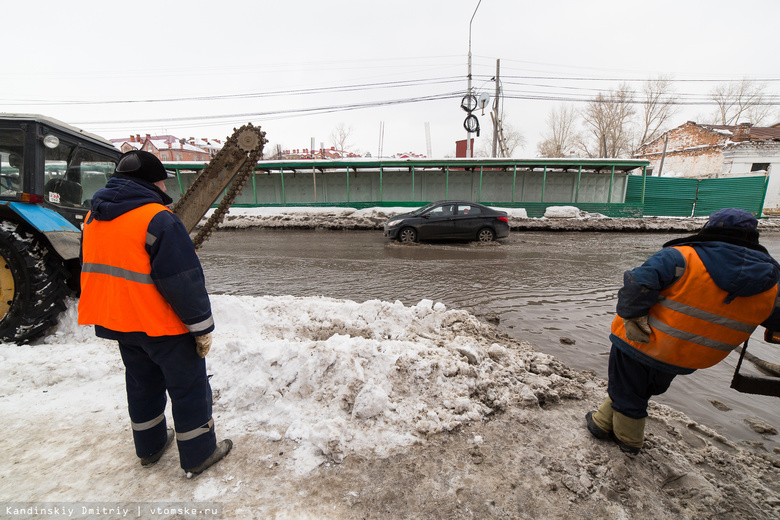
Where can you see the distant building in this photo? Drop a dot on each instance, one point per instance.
(305, 153)
(409, 155)
(169, 148)
(716, 151)
(711, 151)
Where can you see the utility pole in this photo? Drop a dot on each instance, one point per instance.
(468, 133)
(495, 109)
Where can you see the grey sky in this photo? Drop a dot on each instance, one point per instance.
(293, 67)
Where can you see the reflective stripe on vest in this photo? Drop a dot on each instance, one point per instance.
(692, 325)
(117, 290)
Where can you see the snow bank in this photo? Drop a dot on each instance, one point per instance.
(337, 377)
(562, 212)
(334, 405)
(556, 218)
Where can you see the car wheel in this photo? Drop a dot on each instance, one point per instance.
(486, 235)
(407, 235)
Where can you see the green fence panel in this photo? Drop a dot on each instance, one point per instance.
(737, 192)
(537, 209)
(667, 197)
(678, 197)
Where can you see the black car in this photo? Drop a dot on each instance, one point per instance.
(448, 219)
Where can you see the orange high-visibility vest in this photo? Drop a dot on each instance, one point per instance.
(117, 291)
(692, 326)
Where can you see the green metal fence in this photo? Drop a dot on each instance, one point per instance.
(740, 192)
(597, 185)
(678, 197)
(663, 196)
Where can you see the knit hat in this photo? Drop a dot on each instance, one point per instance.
(141, 165)
(732, 218)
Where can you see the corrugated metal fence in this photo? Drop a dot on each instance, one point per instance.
(678, 197)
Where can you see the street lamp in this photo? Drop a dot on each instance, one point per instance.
(468, 132)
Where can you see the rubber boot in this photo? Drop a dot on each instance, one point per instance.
(602, 417)
(628, 433)
(222, 449)
(147, 461)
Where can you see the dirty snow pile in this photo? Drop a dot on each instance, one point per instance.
(337, 377)
(327, 217)
(322, 217)
(562, 212)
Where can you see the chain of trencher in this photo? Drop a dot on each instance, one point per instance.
(245, 143)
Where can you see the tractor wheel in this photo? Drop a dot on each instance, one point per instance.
(33, 285)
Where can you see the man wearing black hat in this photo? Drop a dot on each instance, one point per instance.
(685, 308)
(143, 286)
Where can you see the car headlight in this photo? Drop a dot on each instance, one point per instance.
(395, 222)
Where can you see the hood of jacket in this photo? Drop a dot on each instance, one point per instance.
(738, 270)
(737, 263)
(122, 194)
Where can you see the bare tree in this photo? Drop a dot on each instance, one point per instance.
(741, 101)
(559, 140)
(658, 107)
(339, 137)
(272, 151)
(513, 140)
(608, 124)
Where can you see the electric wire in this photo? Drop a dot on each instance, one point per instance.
(561, 88)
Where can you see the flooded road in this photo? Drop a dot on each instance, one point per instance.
(541, 286)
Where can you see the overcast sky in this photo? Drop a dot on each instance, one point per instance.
(300, 68)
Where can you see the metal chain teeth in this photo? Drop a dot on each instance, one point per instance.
(249, 139)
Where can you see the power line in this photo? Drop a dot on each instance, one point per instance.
(635, 80)
(774, 101)
(253, 95)
(279, 114)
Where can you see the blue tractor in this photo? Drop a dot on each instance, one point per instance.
(49, 172)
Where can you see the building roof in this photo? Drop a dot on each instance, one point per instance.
(757, 133)
(160, 142)
(729, 135)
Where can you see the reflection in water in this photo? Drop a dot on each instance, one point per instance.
(543, 286)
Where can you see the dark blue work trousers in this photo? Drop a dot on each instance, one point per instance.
(169, 363)
(632, 383)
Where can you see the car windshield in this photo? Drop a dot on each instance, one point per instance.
(422, 210)
(443, 210)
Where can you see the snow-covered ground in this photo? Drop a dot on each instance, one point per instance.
(345, 410)
(359, 410)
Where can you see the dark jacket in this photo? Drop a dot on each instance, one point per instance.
(176, 269)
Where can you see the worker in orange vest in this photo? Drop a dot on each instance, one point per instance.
(685, 308)
(143, 286)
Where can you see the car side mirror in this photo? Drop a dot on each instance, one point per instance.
(427, 215)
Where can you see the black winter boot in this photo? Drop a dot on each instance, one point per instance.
(594, 428)
(222, 449)
(151, 459)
